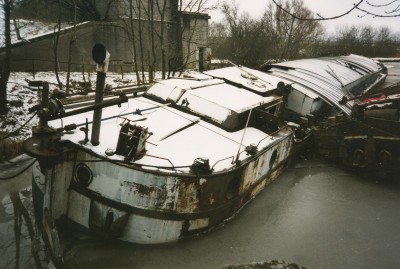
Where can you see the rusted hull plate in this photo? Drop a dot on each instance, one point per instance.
(359, 144)
(144, 207)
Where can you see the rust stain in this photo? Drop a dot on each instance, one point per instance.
(258, 188)
(188, 200)
(145, 195)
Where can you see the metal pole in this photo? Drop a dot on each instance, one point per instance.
(244, 132)
(101, 57)
(45, 101)
(100, 82)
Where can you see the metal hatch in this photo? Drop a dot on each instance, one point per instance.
(254, 80)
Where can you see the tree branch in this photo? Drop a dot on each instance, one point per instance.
(377, 15)
(320, 18)
(383, 5)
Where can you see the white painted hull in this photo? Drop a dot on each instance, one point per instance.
(150, 207)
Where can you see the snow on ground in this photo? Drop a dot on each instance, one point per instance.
(28, 29)
(21, 97)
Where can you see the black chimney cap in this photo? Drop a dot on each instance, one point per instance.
(99, 53)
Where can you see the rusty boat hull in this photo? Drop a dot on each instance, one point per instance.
(186, 155)
(148, 207)
(176, 161)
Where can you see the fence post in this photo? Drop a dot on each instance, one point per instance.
(122, 72)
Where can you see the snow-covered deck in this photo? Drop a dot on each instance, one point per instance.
(177, 138)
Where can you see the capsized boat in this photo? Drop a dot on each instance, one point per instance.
(178, 160)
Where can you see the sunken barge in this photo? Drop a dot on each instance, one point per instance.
(351, 122)
(186, 155)
(369, 140)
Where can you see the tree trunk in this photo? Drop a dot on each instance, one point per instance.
(161, 37)
(134, 42)
(149, 41)
(153, 49)
(16, 27)
(5, 65)
(71, 44)
(141, 40)
(57, 30)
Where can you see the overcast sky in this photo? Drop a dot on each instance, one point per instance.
(328, 8)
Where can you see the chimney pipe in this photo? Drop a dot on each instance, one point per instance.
(101, 56)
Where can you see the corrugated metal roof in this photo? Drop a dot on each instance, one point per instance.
(329, 77)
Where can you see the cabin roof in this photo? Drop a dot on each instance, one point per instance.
(220, 101)
(186, 120)
(177, 137)
(254, 80)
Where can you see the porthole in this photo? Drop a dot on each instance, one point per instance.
(83, 175)
(273, 158)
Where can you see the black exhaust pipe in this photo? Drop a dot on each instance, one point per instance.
(101, 56)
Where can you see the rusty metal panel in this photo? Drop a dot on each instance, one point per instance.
(143, 195)
(188, 200)
(146, 230)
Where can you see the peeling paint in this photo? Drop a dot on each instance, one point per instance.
(198, 224)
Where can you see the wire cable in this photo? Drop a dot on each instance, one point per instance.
(17, 130)
(19, 173)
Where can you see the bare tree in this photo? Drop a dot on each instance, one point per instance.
(56, 38)
(6, 61)
(276, 35)
(157, 31)
(384, 42)
(151, 52)
(161, 35)
(70, 47)
(141, 40)
(248, 40)
(364, 40)
(348, 39)
(191, 30)
(291, 36)
(133, 40)
(219, 40)
(392, 9)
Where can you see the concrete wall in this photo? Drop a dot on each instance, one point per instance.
(195, 36)
(37, 54)
(141, 9)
